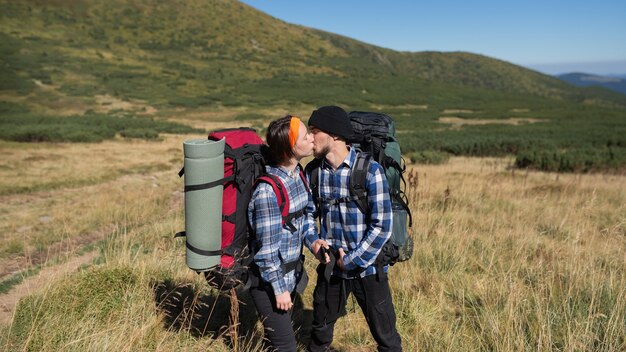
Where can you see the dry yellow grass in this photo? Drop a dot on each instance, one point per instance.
(504, 260)
(60, 193)
(29, 167)
(509, 260)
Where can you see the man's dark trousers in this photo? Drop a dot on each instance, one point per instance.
(374, 297)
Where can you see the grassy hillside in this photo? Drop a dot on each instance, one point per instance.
(173, 60)
(208, 52)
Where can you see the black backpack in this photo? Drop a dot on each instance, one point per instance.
(374, 137)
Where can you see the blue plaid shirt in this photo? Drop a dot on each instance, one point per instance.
(275, 244)
(344, 226)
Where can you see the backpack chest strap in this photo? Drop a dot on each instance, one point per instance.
(335, 201)
(287, 220)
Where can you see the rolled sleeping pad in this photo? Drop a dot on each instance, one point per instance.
(204, 173)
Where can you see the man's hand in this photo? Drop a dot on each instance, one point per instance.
(283, 301)
(317, 244)
(340, 260)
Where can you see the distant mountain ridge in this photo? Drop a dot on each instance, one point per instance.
(615, 83)
(220, 52)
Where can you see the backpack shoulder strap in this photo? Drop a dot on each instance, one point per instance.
(358, 181)
(283, 199)
(279, 190)
(312, 169)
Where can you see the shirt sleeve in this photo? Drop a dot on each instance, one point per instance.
(311, 234)
(379, 228)
(266, 221)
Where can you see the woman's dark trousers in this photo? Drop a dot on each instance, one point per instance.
(277, 323)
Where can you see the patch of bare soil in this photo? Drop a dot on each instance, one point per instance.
(459, 121)
(211, 125)
(458, 111)
(403, 106)
(8, 301)
(107, 103)
(176, 202)
(69, 105)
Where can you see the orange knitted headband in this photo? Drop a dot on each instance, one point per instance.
(294, 129)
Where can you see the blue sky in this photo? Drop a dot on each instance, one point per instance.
(550, 36)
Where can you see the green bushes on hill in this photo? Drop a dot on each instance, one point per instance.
(429, 157)
(572, 160)
(142, 133)
(23, 126)
(250, 116)
(565, 139)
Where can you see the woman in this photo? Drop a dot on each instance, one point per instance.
(278, 245)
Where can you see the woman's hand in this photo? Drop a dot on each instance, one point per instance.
(283, 301)
(317, 244)
(340, 263)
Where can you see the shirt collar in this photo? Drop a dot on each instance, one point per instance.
(279, 171)
(348, 161)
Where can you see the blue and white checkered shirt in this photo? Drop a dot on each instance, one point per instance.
(343, 225)
(274, 243)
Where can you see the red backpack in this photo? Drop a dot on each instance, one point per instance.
(244, 169)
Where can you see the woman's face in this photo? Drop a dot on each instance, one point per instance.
(304, 143)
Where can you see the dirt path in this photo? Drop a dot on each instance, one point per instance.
(55, 250)
(8, 301)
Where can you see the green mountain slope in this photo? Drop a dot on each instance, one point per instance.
(211, 52)
(166, 58)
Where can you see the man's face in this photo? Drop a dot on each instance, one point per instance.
(321, 142)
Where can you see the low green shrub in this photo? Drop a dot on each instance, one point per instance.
(139, 133)
(249, 116)
(572, 160)
(429, 157)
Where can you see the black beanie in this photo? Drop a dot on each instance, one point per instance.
(332, 120)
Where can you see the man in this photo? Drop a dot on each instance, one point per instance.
(352, 237)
